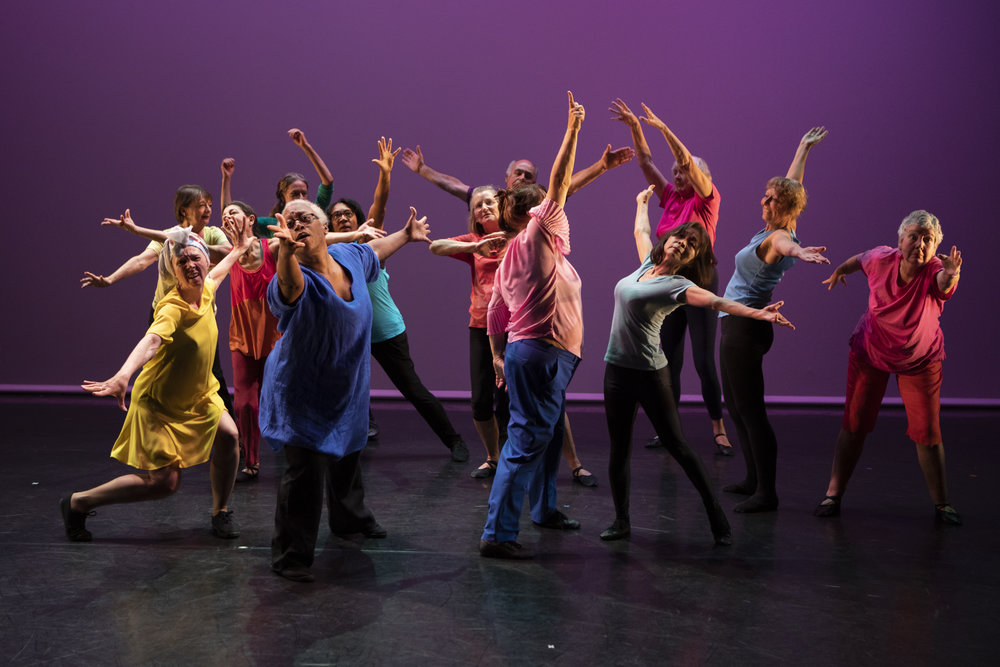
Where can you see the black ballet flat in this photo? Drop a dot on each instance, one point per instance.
(829, 506)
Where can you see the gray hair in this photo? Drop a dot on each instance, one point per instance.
(510, 167)
(701, 165)
(925, 220)
(304, 205)
(475, 227)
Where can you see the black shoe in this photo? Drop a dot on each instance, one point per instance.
(723, 449)
(459, 452)
(297, 573)
(559, 521)
(830, 506)
(372, 428)
(620, 529)
(587, 480)
(375, 531)
(506, 550)
(486, 472)
(653, 442)
(946, 514)
(74, 522)
(721, 531)
(225, 526)
(247, 474)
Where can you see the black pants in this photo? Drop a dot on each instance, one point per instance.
(624, 390)
(393, 356)
(744, 344)
(300, 503)
(702, 323)
(488, 400)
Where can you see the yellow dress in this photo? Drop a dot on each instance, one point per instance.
(175, 407)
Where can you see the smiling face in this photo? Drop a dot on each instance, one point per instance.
(769, 206)
(486, 211)
(521, 172)
(342, 218)
(190, 268)
(918, 245)
(198, 213)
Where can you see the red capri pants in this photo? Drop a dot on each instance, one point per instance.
(920, 391)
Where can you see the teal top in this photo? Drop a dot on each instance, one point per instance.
(324, 195)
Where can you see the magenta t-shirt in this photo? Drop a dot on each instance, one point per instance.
(678, 210)
(900, 332)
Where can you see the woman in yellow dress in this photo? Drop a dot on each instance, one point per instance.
(176, 419)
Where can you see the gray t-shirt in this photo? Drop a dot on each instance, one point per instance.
(639, 311)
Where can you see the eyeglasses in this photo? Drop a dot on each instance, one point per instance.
(768, 199)
(304, 218)
(345, 213)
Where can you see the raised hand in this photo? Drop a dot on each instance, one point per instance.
(952, 262)
(413, 161)
(298, 136)
(620, 112)
(616, 158)
(228, 167)
(368, 233)
(284, 234)
(115, 386)
(240, 233)
(814, 136)
(123, 222)
(576, 111)
(643, 197)
(777, 318)
(813, 255)
(386, 156)
(652, 120)
(417, 230)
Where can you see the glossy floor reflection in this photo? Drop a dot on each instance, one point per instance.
(882, 584)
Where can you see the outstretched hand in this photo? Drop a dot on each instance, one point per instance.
(814, 136)
(413, 161)
(228, 167)
(620, 112)
(774, 316)
(115, 386)
(814, 255)
(643, 197)
(651, 119)
(298, 136)
(93, 280)
(239, 234)
(368, 233)
(386, 156)
(492, 244)
(952, 262)
(417, 230)
(576, 111)
(123, 222)
(616, 158)
(284, 234)
(838, 277)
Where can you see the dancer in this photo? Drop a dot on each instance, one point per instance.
(536, 301)
(519, 172)
(390, 344)
(482, 249)
(759, 268)
(314, 400)
(899, 333)
(175, 419)
(690, 196)
(636, 371)
(193, 210)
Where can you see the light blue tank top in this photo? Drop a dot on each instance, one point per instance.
(753, 279)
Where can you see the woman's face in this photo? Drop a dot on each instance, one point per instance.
(769, 206)
(682, 184)
(486, 211)
(296, 190)
(917, 245)
(190, 267)
(236, 214)
(342, 218)
(681, 249)
(198, 213)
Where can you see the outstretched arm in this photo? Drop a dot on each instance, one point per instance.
(414, 161)
(228, 167)
(488, 246)
(415, 230)
(117, 385)
(641, 230)
(608, 161)
(562, 168)
(620, 112)
(384, 161)
(798, 167)
(850, 265)
(702, 298)
(125, 222)
(947, 277)
(782, 244)
(132, 266)
(700, 181)
(299, 137)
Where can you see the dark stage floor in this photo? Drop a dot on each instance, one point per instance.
(882, 584)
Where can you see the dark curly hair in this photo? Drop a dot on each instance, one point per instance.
(351, 204)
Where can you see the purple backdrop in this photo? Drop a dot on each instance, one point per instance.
(114, 104)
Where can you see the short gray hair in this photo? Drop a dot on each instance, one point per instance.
(308, 207)
(924, 219)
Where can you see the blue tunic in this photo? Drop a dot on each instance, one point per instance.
(315, 390)
(754, 280)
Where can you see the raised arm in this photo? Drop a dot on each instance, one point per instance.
(291, 284)
(488, 246)
(562, 168)
(228, 166)
(384, 162)
(414, 161)
(608, 161)
(850, 265)
(241, 235)
(415, 230)
(798, 167)
(132, 266)
(299, 137)
(700, 181)
(702, 298)
(620, 112)
(117, 385)
(947, 277)
(641, 230)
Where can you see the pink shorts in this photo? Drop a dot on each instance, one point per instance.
(920, 391)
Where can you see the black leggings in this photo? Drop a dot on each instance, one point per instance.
(702, 323)
(485, 393)
(624, 390)
(744, 344)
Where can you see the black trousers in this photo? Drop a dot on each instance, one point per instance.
(393, 356)
(300, 503)
(488, 400)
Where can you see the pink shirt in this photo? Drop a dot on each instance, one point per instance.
(899, 332)
(678, 210)
(536, 293)
(483, 271)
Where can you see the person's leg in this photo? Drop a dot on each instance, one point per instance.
(132, 488)
(299, 508)
(581, 475)
(656, 398)
(702, 325)
(483, 382)
(227, 399)
(345, 497)
(225, 462)
(620, 409)
(730, 359)
(393, 356)
(672, 342)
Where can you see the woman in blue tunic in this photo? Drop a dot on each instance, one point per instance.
(314, 399)
(637, 373)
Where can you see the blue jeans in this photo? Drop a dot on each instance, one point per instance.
(537, 376)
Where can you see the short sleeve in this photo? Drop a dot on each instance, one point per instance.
(214, 236)
(324, 195)
(166, 317)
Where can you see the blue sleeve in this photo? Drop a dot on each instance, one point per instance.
(274, 301)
